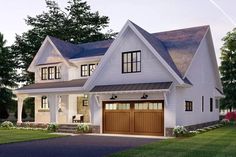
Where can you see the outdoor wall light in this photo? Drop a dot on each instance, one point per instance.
(145, 96)
(113, 97)
(59, 110)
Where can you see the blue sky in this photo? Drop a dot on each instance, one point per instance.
(152, 15)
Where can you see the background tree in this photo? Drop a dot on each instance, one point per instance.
(228, 70)
(7, 77)
(76, 23)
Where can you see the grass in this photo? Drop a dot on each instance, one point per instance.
(216, 143)
(14, 135)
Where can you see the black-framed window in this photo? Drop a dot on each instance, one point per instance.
(131, 62)
(211, 104)
(84, 70)
(44, 102)
(51, 73)
(202, 103)
(44, 73)
(57, 72)
(188, 106)
(87, 69)
(91, 68)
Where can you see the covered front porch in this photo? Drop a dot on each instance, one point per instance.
(57, 108)
(61, 102)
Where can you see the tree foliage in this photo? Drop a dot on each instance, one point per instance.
(228, 70)
(7, 76)
(76, 23)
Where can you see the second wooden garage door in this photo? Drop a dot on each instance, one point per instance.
(136, 117)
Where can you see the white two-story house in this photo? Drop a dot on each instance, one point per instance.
(139, 83)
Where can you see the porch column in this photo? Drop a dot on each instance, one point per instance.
(53, 106)
(20, 102)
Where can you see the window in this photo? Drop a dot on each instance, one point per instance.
(58, 72)
(188, 106)
(117, 106)
(131, 62)
(84, 70)
(91, 68)
(87, 69)
(51, 73)
(44, 102)
(202, 103)
(148, 106)
(44, 73)
(211, 104)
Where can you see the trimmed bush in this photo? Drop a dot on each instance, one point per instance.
(180, 131)
(83, 128)
(7, 124)
(52, 127)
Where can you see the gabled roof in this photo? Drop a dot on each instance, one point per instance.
(72, 51)
(176, 47)
(182, 44)
(159, 47)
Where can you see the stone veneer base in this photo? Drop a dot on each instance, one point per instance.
(169, 131)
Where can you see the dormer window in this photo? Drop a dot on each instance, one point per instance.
(44, 73)
(87, 69)
(50, 73)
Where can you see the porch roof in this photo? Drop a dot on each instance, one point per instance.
(60, 84)
(133, 87)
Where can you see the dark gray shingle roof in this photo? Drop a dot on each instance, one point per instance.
(61, 84)
(176, 47)
(132, 87)
(71, 51)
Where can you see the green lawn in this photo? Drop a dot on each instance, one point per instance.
(217, 143)
(13, 135)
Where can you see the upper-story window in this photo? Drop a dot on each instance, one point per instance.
(131, 62)
(44, 73)
(50, 73)
(58, 72)
(87, 69)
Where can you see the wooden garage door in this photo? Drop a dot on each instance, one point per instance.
(139, 117)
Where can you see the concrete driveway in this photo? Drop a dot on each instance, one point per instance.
(73, 146)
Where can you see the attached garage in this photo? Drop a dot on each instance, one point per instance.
(134, 117)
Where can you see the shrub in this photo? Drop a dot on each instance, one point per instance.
(52, 127)
(180, 131)
(82, 128)
(7, 124)
(225, 121)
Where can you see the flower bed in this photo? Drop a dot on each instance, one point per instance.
(181, 131)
